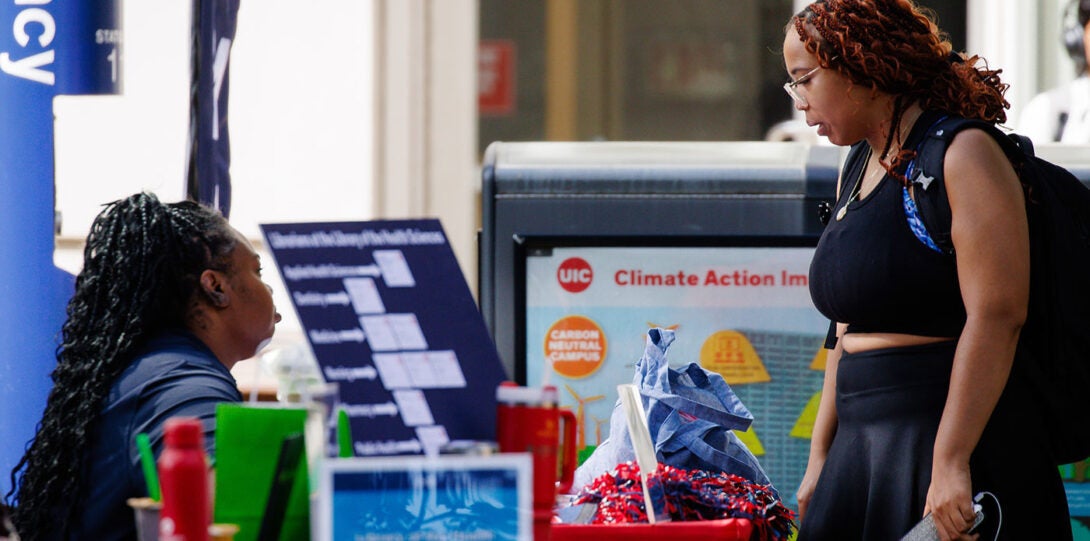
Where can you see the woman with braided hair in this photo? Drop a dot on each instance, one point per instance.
(919, 411)
(170, 297)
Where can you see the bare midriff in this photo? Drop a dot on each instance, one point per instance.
(859, 342)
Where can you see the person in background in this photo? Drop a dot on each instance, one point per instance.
(1062, 114)
(170, 297)
(919, 411)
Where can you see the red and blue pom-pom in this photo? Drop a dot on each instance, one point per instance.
(690, 495)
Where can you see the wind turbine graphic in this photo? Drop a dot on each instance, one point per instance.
(598, 422)
(580, 415)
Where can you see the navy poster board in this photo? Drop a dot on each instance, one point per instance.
(391, 320)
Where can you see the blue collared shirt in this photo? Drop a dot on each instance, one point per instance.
(175, 374)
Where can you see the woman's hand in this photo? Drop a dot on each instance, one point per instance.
(806, 488)
(950, 500)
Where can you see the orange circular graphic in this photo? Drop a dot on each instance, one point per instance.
(575, 346)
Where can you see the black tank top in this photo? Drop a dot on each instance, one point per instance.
(871, 272)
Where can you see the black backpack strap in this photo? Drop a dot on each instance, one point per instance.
(925, 172)
(1023, 143)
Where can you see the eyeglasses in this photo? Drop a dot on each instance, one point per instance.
(789, 87)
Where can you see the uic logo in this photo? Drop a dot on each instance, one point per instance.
(574, 274)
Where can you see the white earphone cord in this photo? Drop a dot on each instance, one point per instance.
(979, 496)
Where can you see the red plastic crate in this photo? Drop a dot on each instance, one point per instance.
(732, 529)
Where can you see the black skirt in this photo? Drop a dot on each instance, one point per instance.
(878, 469)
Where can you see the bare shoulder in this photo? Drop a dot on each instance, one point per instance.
(974, 161)
(985, 195)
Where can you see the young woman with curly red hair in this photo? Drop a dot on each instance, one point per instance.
(922, 406)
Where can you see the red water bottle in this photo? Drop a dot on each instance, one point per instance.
(183, 474)
(528, 419)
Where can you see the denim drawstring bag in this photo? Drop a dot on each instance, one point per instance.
(691, 413)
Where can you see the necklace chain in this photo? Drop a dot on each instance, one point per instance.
(863, 175)
(854, 195)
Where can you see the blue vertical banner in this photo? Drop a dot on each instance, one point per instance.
(47, 49)
(208, 179)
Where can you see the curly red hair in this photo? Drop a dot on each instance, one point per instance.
(894, 46)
